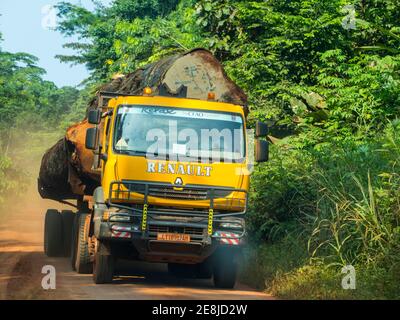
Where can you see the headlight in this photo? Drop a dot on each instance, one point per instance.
(230, 225)
(116, 216)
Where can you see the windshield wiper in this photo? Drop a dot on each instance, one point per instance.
(166, 157)
(131, 153)
(143, 153)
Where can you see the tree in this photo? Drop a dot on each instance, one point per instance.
(101, 31)
(292, 58)
(24, 93)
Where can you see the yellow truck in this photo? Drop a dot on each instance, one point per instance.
(173, 189)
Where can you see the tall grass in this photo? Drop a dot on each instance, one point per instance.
(342, 200)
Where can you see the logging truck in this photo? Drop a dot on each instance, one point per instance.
(173, 183)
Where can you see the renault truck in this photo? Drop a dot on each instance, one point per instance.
(174, 187)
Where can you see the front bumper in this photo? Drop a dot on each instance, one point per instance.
(140, 224)
(200, 247)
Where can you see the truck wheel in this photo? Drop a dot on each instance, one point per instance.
(204, 270)
(82, 260)
(225, 269)
(67, 220)
(103, 265)
(53, 234)
(74, 240)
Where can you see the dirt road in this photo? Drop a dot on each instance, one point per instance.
(22, 259)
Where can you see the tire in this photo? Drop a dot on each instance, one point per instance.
(67, 220)
(82, 260)
(53, 234)
(74, 240)
(225, 269)
(204, 270)
(103, 266)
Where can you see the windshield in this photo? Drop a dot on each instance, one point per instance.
(181, 134)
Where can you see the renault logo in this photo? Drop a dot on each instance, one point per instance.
(178, 181)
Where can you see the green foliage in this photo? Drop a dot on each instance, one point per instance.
(281, 51)
(342, 200)
(126, 35)
(349, 184)
(77, 111)
(320, 282)
(278, 51)
(130, 10)
(26, 98)
(9, 179)
(17, 71)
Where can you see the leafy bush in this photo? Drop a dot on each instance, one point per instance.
(341, 199)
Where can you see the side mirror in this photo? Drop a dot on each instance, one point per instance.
(262, 150)
(94, 116)
(91, 142)
(261, 129)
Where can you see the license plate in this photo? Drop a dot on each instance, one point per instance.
(176, 237)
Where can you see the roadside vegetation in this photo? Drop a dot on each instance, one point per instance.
(324, 74)
(324, 209)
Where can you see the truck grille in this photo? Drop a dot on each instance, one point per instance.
(169, 192)
(183, 194)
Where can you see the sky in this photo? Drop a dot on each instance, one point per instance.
(24, 27)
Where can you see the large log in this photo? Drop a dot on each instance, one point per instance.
(53, 178)
(65, 172)
(197, 69)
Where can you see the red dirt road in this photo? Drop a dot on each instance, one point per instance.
(22, 259)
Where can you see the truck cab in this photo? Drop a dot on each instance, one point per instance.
(174, 184)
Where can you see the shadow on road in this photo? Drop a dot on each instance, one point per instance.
(136, 272)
